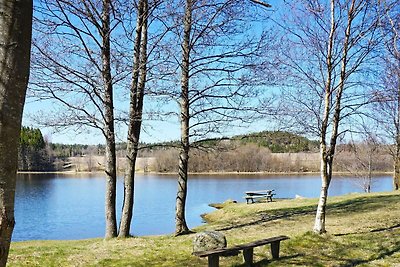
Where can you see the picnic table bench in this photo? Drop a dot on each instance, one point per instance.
(213, 255)
(252, 195)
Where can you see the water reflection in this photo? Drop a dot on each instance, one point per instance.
(59, 206)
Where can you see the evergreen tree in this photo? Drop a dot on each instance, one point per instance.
(32, 151)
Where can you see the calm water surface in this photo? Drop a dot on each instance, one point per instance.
(66, 206)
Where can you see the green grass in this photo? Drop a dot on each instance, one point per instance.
(363, 230)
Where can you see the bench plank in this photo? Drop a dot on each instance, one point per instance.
(259, 192)
(261, 242)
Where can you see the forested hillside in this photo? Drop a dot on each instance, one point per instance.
(280, 141)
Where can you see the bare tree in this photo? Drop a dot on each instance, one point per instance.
(386, 107)
(83, 79)
(359, 159)
(75, 53)
(215, 74)
(328, 50)
(181, 226)
(136, 109)
(15, 45)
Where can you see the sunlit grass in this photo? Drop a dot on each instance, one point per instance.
(363, 230)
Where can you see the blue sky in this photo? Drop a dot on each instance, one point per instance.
(153, 131)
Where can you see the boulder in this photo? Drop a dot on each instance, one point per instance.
(208, 240)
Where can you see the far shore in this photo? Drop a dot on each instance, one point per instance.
(200, 173)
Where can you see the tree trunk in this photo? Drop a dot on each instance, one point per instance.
(135, 122)
(111, 187)
(180, 221)
(369, 178)
(15, 43)
(181, 226)
(396, 175)
(127, 209)
(396, 160)
(111, 173)
(326, 176)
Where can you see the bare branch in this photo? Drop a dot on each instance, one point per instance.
(259, 2)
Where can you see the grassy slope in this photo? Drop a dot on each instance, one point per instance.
(364, 230)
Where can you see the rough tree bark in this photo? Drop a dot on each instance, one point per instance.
(15, 43)
(110, 168)
(135, 117)
(180, 220)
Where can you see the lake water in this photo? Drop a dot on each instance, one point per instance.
(66, 206)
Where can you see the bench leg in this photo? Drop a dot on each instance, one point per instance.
(213, 261)
(250, 198)
(248, 256)
(275, 249)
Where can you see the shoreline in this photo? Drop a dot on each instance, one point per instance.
(201, 173)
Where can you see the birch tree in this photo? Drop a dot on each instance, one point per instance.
(328, 53)
(15, 45)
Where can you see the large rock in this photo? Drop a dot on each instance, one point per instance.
(208, 240)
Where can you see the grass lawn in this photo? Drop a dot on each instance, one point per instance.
(363, 230)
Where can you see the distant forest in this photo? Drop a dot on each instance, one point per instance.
(267, 151)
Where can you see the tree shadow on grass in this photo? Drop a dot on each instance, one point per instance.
(360, 204)
(268, 216)
(382, 253)
(371, 231)
(363, 248)
(265, 262)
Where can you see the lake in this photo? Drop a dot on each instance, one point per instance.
(71, 206)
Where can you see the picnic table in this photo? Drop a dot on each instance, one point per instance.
(260, 194)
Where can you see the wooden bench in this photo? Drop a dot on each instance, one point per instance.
(252, 195)
(213, 255)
